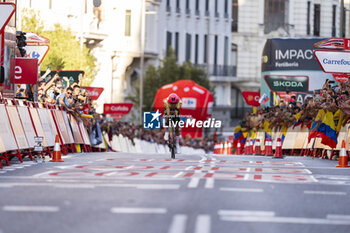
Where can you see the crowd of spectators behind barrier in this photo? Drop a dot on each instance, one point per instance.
(58, 90)
(331, 98)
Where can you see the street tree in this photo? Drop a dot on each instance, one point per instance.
(169, 71)
(65, 52)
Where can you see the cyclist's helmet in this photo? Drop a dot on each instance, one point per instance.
(173, 98)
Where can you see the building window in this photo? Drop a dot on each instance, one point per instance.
(234, 27)
(334, 17)
(226, 9)
(177, 45)
(216, 50)
(216, 9)
(196, 50)
(233, 55)
(177, 6)
(205, 49)
(168, 43)
(275, 15)
(197, 7)
(188, 10)
(127, 22)
(206, 7)
(317, 19)
(308, 28)
(226, 51)
(168, 8)
(188, 47)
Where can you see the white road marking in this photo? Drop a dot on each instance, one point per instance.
(202, 224)
(247, 213)
(31, 208)
(158, 186)
(189, 168)
(125, 210)
(273, 219)
(9, 169)
(242, 190)
(85, 186)
(324, 192)
(2, 172)
(178, 174)
(338, 217)
(178, 224)
(193, 183)
(209, 183)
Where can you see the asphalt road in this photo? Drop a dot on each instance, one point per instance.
(150, 193)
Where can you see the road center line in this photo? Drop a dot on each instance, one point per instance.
(193, 183)
(178, 224)
(323, 192)
(125, 210)
(31, 208)
(242, 190)
(202, 224)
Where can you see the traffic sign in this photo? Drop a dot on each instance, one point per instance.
(333, 61)
(6, 12)
(35, 38)
(37, 51)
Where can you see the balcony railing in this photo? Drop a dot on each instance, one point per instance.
(207, 13)
(197, 12)
(168, 8)
(188, 11)
(178, 10)
(219, 70)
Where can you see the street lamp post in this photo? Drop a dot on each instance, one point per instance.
(142, 58)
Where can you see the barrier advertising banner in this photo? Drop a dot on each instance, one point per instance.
(26, 71)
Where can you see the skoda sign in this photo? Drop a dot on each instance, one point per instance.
(287, 83)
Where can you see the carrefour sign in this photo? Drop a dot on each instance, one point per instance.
(287, 83)
(333, 61)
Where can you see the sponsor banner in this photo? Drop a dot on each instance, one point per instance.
(333, 61)
(119, 108)
(94, 92)
(189, 103)
(26, 71)
(287, 83)
(6, 12)
(346, 43)
(37, 51)
(341, 77)
(289, 54)
(251, 98)
(35, 38)
(72, 75)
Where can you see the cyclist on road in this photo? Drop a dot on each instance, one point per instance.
(172, 106)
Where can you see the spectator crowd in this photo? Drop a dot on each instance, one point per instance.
(328, 106)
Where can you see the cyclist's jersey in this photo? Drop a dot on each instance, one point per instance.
(171, 109)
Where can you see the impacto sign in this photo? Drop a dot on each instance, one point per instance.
(287, 83)
(333, 61)
(120, 108)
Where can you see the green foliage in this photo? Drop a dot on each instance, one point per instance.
(168, 72)
(65, 52)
